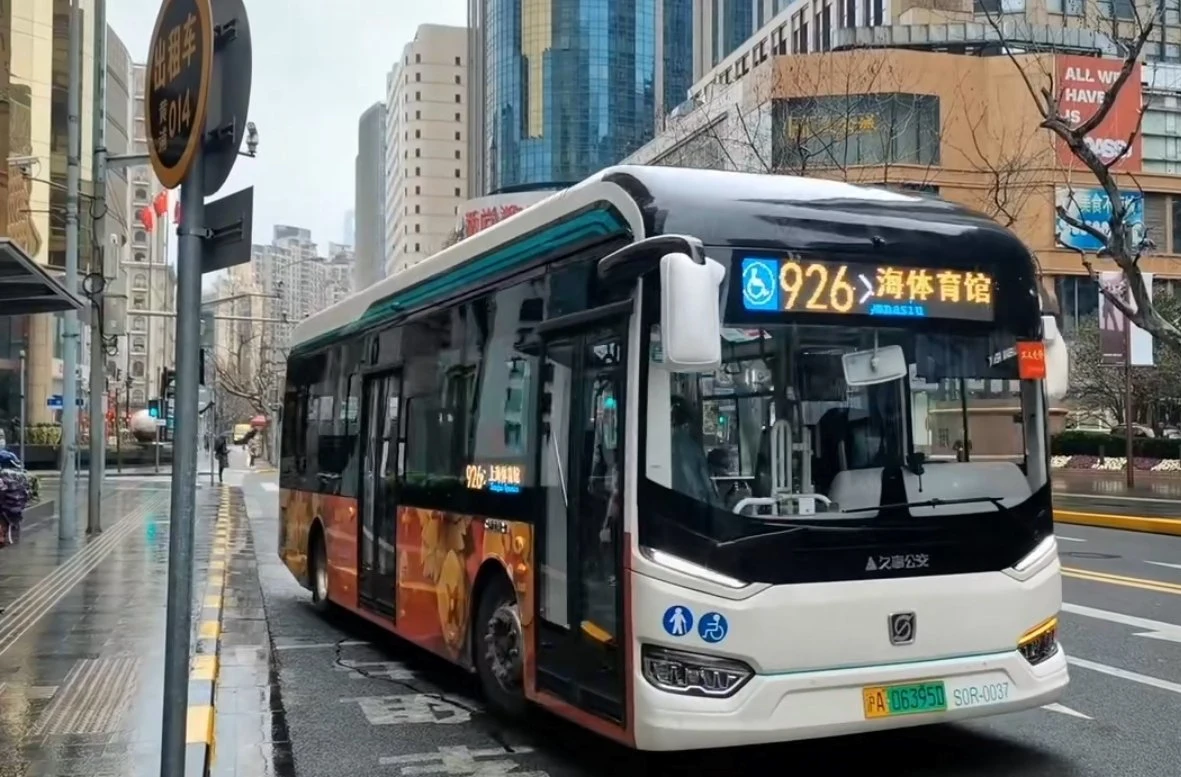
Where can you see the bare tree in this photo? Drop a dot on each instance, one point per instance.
(1099, 385)
(1079, 109)
(249, 377)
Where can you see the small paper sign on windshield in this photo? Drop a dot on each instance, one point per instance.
(1031, 360)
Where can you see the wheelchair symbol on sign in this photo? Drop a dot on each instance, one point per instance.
(713, 627)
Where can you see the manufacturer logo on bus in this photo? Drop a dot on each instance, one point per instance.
(902, 628)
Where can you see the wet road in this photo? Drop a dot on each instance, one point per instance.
(347, 700)
(1153, 496)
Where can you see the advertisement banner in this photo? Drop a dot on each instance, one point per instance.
(1093, 208)
(480, 213)
(1113, 341)
(1082, 83)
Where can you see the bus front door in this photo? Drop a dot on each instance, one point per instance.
(580, 656)
(378, 511)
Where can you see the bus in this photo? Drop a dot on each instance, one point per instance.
(696, 459)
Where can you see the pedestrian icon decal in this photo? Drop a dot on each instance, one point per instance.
(713, 627)
(678, 620)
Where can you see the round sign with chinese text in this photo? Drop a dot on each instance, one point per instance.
(176, 89)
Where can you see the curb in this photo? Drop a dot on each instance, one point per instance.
(1169, 526)
(205, 665)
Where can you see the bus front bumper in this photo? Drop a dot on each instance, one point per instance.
(808, 705)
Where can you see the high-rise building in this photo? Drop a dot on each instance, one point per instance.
(369, 200)
(425, 165)
(151, 280)
(33, 122)
(562, 88)
(348, 234)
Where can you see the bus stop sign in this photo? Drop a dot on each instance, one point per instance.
(176, 89)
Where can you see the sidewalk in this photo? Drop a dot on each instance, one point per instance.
(82, 637)
(1103, 499)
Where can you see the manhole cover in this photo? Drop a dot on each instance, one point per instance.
(1087, 554)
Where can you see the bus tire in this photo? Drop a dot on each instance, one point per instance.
(318, 571)
(499, 649)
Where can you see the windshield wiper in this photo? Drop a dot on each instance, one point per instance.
(819, 528)
(936, 502)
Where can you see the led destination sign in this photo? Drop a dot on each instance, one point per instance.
(888, 290)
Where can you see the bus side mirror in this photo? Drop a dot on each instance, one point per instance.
(1057, 360)
(690, 313)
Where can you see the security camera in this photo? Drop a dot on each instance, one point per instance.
(27, 165)
(251, 138)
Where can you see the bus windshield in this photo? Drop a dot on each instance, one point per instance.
(777, 431)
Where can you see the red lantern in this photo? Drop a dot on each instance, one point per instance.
(258, 422)
(176, 212)
(147, 218)
(160, 204)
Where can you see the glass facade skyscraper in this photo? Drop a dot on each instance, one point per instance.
(571, 86)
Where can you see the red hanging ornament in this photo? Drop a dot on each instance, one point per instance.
(160, 204)
(147, 218)
(176, 212)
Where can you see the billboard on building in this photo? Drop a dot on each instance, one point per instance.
(482, 212)
(1113, 340)
(1093, 208)
(1081, 83)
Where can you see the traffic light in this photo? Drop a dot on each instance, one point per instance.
(154, 408)
(167, 376)
(201, 367)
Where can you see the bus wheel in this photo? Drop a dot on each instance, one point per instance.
(319, 573)
(500, 649)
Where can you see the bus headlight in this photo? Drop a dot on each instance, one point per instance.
(1040, 642)
(693, 674)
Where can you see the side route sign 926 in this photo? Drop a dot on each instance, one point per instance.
(176, 89)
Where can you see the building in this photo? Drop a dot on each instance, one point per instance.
(150, 280)
(425, 165)
(33, 120)
(348, 234)
(563, 88)
(117, 223)
(742, 115)
(369, 201)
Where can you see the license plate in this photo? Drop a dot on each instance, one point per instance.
(885, 701)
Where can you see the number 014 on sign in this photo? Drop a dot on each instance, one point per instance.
(176, 87)
(886, 701)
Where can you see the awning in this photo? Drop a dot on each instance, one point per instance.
(26, 287)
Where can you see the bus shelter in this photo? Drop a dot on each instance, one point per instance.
(27, 288)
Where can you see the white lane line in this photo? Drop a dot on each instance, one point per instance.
(1164, 564)
(1061, 538)
(1124, 674)
(1065, 711)
(1168, 632)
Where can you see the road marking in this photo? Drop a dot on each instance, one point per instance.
(1164, 564)
(1065, 711)
(1124, 674)
(321, 645)
(1152, 629)
(270, 486)
(1159, 586)
(1062, 538)
(410, 708)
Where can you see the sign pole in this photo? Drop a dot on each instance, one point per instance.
(179, 74)
(71, 351)
(98, 351)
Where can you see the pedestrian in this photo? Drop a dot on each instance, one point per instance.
(15, 491)
(221, 449)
